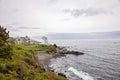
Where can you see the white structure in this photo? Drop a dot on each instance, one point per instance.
(25, 40)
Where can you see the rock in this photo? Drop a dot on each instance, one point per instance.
(64, 51)
(74, 53)
(61, 74)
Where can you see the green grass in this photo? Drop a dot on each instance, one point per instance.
(23, 65)
(32, 48)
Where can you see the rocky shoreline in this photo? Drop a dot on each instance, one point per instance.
(44, 58)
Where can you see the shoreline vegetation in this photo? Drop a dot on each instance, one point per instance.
(28, 61)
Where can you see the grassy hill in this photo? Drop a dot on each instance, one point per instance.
(23, 65)
(17, 61)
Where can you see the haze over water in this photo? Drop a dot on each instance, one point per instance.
(101, 60)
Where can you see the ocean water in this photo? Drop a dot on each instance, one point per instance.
(101, 60)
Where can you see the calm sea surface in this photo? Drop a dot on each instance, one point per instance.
(101, 60)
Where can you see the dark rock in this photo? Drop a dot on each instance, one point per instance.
(62, 51)
(61, 74)
(74, 53)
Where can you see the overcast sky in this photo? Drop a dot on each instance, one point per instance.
(37, 17)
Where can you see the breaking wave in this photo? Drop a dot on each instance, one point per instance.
(80, 74)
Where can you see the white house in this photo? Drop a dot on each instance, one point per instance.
(25, 40)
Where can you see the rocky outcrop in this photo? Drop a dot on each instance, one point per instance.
(73, 52)
(63, 51)
(44, 57)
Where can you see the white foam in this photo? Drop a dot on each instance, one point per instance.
(80, 74)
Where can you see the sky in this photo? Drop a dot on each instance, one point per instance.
(40, 17)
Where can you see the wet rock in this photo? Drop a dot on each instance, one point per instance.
(63, 51)
(74, 53)
(61, 74)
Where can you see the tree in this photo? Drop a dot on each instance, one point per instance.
(5, 47)
(45, 39)
(3, 34)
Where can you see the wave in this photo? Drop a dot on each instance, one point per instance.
(81, 74)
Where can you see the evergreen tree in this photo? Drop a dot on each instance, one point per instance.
(5, 47)
(3, 34)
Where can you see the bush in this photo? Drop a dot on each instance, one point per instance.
(3, 68)
(5, 47)
(6, 51)
(1, 76)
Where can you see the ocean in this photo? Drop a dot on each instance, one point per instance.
(101, 60)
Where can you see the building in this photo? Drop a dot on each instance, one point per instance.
(25, 40)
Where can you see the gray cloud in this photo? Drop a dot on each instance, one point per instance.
(12, 29)
(36, 28)
(85, 12)
(17, 26)
(23, 27)
(15, 23)
(52, 0)
(118, 2)
(15, 10)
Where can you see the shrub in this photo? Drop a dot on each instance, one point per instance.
(1, 76)
(3, 68)
(5, 47)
